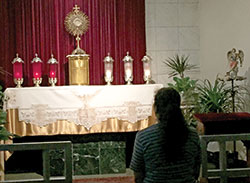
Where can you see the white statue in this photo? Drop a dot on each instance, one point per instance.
(234, 60)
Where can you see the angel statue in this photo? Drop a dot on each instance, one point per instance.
(234, 60)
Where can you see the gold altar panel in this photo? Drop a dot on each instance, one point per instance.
(65, 127)
(1, 164)
(22, 128)
(78, 69)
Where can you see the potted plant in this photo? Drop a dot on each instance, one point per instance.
(4, 134)
(218, 97)
(179, 65)
(183, 84)
(213, 98)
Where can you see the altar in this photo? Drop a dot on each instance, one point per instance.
(109, 114)
(79, 109)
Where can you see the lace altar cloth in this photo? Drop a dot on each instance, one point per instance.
(83, 105)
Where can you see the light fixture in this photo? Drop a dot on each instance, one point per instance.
(18, 71)
(52, 70)
(37, 70)
(147, 76)
(128, 68)
(108, 69)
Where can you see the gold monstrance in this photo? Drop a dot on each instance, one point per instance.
(76, 23)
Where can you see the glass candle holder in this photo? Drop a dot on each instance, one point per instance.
(147, 76)
(128, 68)
(108, 69)
(52, 70)
(37, 70)
(18, 71)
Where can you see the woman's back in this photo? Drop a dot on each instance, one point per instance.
(167, 152)
(158, 167)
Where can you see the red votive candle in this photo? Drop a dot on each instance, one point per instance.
(17, 67)
(37, 70)
(18, 70)
(52, 70)
(37, 67)
(52, 67)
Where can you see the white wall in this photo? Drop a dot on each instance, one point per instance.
(172, 26)
(204, 29)
(224, 24)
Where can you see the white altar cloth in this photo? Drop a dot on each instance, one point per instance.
(83, 105)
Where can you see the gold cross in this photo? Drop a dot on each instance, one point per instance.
(76, 9)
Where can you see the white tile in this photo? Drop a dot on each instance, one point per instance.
(161, 57)
(164, 79)
(188, 1)
(150, 38)
(166, 14)
(194, 75)
(193, 56)
(150, 14)
(189, 38)
(161, 1)
(166, 39)
(188, 14)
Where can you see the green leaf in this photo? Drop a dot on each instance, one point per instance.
(178, 65)
(214, 97)
(4, 134)
(3, 115)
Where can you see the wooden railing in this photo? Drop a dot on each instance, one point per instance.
(45, 147)
(223, 172)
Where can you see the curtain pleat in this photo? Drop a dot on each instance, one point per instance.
(37, 26)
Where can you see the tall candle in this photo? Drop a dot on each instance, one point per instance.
(128, 69)
(128, 72)
(108, 74)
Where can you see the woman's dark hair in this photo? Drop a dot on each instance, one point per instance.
(171, 121)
